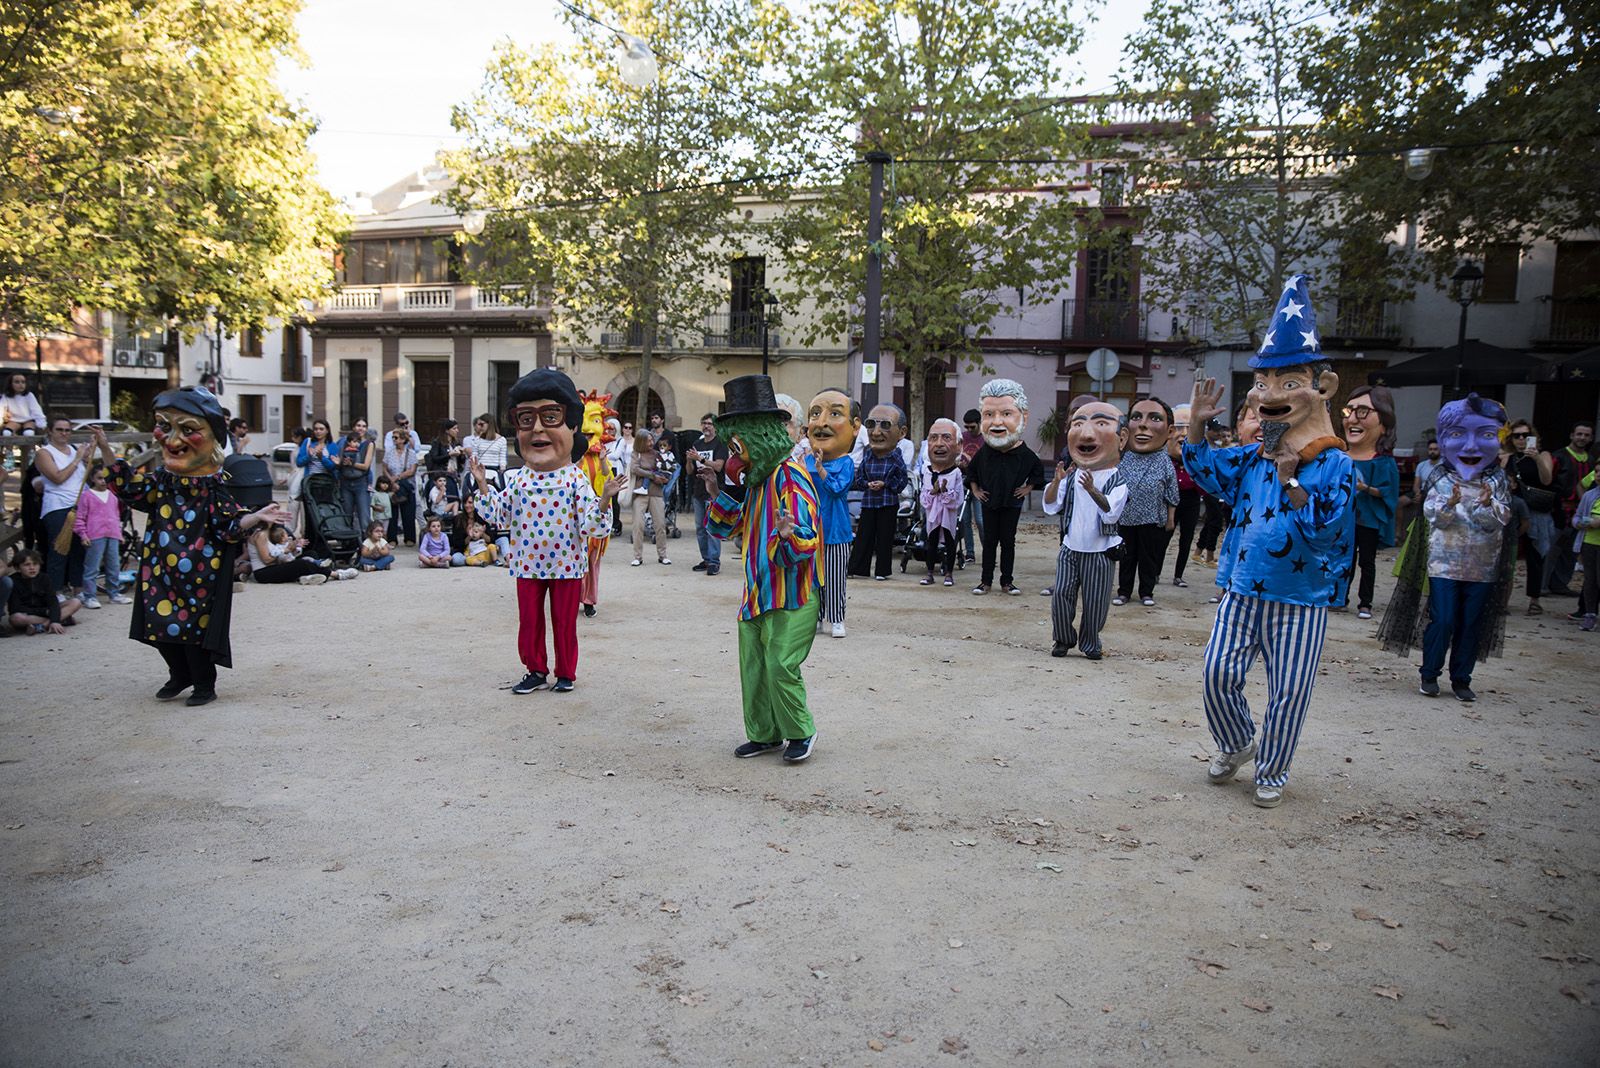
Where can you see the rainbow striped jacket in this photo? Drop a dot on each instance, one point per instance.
(778, 572)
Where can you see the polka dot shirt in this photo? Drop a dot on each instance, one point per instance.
(550, 517)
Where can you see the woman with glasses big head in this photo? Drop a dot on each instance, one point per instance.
(1533, 472)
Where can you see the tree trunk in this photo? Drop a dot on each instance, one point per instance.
(916, 398)
(647, 348)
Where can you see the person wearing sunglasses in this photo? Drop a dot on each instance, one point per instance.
(881, 475)
(551, 511)
(1368, 436)
(1533, 472)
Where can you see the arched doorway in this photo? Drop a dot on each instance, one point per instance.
(627, 403)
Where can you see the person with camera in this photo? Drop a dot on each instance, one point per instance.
(707, 454)
(1091, 502)
(1534, 474)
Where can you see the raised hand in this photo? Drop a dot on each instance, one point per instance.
(1205, 402)
(785, 525)
(475, 466)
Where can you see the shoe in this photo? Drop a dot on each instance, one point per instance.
(90, 602)
(980, 590)
(530, 682)
(171, 690)
(1148, 602)
(1428, 687)
(562, 686)
(345, 574)
(588, 610)
(313, 580)
(1060, 649)
(199, 698)
(799, 749)
(701, 566)
(1559, 592)
(750, 749)
(1463, 693)
(1096, 655)
(948, 581)
(1363, 613)
(838, 629)
(1588, 622)
(121, 598)
(712, 570)
(1119, 600)
(1048, 591)
(1535, 608)
(928, 581)
(1224, 766)
(1268, 796)
(664, 561)
(1013, 591)
(880, 578)
(61, 598)
(637, 563)
(1213, 599)
(1572, 617)
(1178, 582)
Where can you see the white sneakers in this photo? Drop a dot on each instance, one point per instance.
(313, 580)
(838, 629)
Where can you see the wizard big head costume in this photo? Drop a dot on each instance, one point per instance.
(778, 520)
(1292, 505)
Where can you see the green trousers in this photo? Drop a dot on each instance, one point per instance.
(772, 647)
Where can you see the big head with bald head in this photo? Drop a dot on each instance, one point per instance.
(944, 444)
(1096, 435)
(832, 420)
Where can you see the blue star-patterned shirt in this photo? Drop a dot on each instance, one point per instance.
(1281, 553)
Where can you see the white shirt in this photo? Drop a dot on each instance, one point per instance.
(22, 408)
(620, 452)
(59, 495)
(1084, 528)
(489, 453)
(907, 447)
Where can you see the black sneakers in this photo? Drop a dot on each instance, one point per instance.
(171, 690)
(530, 682)
(750, 749)
(201, 697)
(799, 749)
(1429, 688)
(1059, 649)
(1464, 693)
(562, 686)
(588, 610)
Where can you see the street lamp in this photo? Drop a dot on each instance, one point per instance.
(1466, 284)
(771, 300)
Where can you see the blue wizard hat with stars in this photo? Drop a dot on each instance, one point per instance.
(1291, 337)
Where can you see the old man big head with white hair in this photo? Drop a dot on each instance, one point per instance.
(1002, 474)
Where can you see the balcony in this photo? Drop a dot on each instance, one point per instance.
(735, 330)
(428, 298)
(356, 298)
(490, 297)
(435, 299)
(1104, 320)
(1572, 323)
(1363, 320)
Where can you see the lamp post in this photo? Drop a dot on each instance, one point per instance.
(1466, 284)
(766, 328)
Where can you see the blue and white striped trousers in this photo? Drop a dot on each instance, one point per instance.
(1091, 575)
(1288, 637)
(835, 564)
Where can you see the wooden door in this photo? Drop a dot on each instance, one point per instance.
(431, 397)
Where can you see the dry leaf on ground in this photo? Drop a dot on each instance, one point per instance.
(1209, 967)
(1258, 1006)
(1390, 992)
(952, 1044)
(876, 1045)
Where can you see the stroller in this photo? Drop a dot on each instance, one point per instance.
(910, 524)
(330, 530)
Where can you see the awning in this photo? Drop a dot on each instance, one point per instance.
(1579, 367)
(1485, 365)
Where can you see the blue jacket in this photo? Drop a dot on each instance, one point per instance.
(326, 466)
(1286, 554)
(833, 498)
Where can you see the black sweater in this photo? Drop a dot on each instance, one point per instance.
(34, 597)
(1000, 473)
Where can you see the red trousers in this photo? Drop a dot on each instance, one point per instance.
(564, 594)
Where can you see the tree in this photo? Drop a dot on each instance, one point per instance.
(614, 196)
(1237, 193)
(958, 92)
(150, 164)
(1506, 92)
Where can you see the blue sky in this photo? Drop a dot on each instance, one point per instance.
(383, 74)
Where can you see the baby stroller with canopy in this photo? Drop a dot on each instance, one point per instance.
(330, 529)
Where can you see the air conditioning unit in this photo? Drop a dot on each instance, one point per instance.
(150, 358)
(126, 358)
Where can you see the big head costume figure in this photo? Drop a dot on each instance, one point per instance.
(184, 601)
(1001, 474)
(778, 520)
(553, 515)
(832, 421)
(1461, 548)
(596, 426)
(1149, 425)
(941, 490)
(1151, 511)
(1096, 435)
(1090, 495)
(880, 475)
(1292, 506)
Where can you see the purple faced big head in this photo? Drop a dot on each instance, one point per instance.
(1469, 434)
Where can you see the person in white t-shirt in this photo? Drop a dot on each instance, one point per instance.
(19, 408)
(62, 469)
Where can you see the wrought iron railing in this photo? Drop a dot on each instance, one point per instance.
(1575, 322)
(1363, 319)
(1104, 320)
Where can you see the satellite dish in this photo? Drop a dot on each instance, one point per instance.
(1103, 365)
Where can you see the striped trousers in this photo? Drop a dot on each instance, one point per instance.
(1090, 574)
(835, 565)
(1288, 638)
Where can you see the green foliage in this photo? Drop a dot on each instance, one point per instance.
(1400, 73)
(766, 440)
(1236, 193)
(952, 82)
(150, 164)
(125, 405)
(599, 189)
(1049, 428)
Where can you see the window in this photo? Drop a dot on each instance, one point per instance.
(1109, 273)
(352, 392)
(250, 409)
(748, 291)
(1500, 263)
(250, 342)
(398, 261)
(503, 374)
(1111, 187)
(293, 367)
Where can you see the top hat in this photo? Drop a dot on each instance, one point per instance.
(1291, 339)
(750, 395)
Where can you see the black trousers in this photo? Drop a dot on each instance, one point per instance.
(1365, 556)
(1535, 560)
(1216, 522)
(189, 665)
(941, 548)
(402, 519)
(1000, 532)
(1188, 519)
(874, 538)
(1147, 545)
(289, 571)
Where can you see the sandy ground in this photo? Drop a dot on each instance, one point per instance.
(371, 853)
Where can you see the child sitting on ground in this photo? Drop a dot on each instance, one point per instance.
(376, 553)
(479, 552)
(99, 525)
(32, 606)
(440, 503)
(434, 548)
(382, 502)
